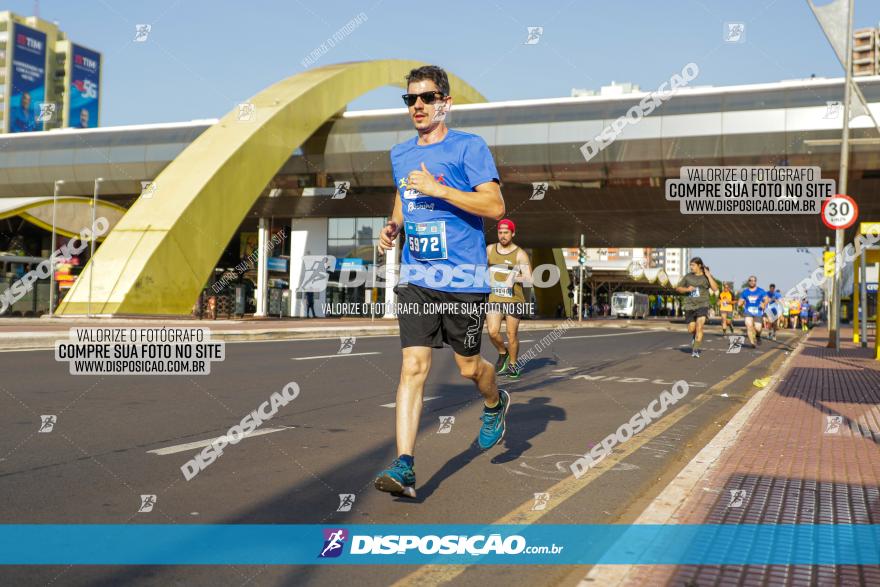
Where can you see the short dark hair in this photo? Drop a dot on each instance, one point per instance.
(430, 72)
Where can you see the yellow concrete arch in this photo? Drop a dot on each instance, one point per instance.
(72, 213)
(162, 252)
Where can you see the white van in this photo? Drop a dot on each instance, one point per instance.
(627, 304)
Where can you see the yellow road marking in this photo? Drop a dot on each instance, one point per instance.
(570, 486)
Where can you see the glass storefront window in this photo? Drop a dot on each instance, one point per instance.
(341, 228)
(351, 238)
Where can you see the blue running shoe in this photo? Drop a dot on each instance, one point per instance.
(494, 423)
(398, 479)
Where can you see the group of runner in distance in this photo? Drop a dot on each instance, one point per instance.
(447, 183)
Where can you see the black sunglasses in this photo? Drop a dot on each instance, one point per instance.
(427, 97)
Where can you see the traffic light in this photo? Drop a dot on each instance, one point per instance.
(582, 256)
(570, 290)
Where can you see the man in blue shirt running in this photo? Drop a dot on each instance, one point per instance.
(446, 184)
(806, 314)
(753, 299)
(773, 311)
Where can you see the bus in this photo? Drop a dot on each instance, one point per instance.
(629, 304)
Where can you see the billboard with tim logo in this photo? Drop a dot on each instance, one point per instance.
(28, 79)
(85, 78)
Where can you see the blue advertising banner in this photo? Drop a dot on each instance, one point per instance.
(383, 544)
(85, 78)
(28, 79)
(276, 264)
(350, 264)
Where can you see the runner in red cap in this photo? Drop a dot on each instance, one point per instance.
(509, 269)
(508, 224)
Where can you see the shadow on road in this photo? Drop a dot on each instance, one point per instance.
(526, 421)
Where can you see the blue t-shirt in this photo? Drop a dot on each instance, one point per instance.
(805, 308)
(774, 308)
(754, 299)
(444, 248)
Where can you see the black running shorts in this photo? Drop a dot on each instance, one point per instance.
(429, 318)
(692, 315)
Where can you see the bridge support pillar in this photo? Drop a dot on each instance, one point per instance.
(548, 298)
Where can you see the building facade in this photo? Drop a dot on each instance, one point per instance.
(47, 81)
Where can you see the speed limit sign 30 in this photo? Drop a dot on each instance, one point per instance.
(839, 212)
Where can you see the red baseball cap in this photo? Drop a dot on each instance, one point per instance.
(508, 224)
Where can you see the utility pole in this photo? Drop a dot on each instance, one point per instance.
(582, 260)
(834, 317)
(58, 184)
(98, 182)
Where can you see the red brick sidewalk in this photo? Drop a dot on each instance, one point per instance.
(808, 453)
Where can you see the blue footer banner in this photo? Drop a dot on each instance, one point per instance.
(241, 544)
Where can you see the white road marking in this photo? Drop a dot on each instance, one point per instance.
(528, 340)
(394, 404)
(334, 356)
(170, 450)
(615, 334)
(563, 370)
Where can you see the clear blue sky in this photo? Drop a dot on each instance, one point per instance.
(203, 57)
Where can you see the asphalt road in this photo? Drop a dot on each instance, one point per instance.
(331, 440)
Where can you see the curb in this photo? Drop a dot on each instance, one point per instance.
(663, 508)
(31, 341)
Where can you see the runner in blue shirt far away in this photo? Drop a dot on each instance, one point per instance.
(753, 299)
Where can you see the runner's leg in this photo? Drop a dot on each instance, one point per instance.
(493, 324)
(480, 371)
(413, 373)
(512, 323)
(698, 329)
(496, 402)
(698, 334)
(750, 329)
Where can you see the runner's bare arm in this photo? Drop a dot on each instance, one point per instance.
(525, 268)
(485, 200)
(392, 229)
(713, 285)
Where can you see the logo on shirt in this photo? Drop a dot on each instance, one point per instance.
(412, 193)
(422, 206)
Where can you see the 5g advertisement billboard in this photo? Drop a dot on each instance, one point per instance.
(85, 77)
(28, 79)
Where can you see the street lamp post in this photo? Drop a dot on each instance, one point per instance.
(98, 182)
(58, 184)
(580, 304)
(834, 322)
